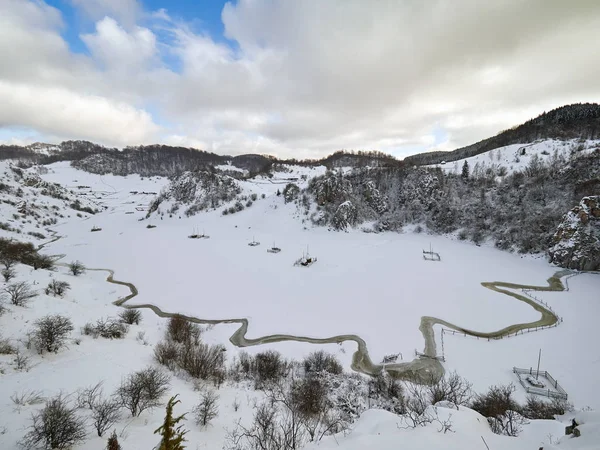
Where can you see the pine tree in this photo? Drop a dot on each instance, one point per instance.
(173, 435)
(113, 442)
(465, 170)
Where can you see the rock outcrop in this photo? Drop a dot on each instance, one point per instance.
(577, 239)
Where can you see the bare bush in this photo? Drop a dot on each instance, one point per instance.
(19, 294)
(56, 426)
(320, 361)
(89, 396)
(451, 388)
(208, 408)
(500, 409)
(6, 348)
(167, 353)
(76, 268)
(143, 390)
(309, 396)
(388, 392)
(269, 366)
(109, 328)
(203, 361)
(8, 274)
(57, 288)
(131, 316)
(105, 413)
(21, 362)
(537, 408)
(417, 403)
(51, 333)
(183, 331)
(27, 397)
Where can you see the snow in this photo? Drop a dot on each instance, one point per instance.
(364, 284)
(513, 160)
(374, 285)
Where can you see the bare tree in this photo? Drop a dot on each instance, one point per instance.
(76, 268)
(57, 426)
(51, 333)
(143, 390)
(105, 412)
(19, 294)
(207, 409)
(57, 288)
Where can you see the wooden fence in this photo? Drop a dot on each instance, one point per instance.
(558, 391)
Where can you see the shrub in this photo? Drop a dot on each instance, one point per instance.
(76, 268)
(105, 413)
(167, 353)
(19, 294)
(451, 388)
(501, 409)
(142, 390)
(321, 361)
(6, 348)
(172, 432)
(109, 328)
(113, 442)
(57, 288)
(536, 408)
(57, 426)
(269, 366)
(208, 408)
(51, 333)
(131, 316)
(8, 274)
(183, 331)
(203, 361)
(309, 396)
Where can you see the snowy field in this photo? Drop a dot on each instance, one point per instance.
(375, 286)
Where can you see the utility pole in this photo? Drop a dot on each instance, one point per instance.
(538, 369)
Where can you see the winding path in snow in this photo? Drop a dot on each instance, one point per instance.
(423, 369)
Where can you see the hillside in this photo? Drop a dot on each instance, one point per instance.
(577, 121)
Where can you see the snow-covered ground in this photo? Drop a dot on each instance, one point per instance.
(374, 285)
(517, 157)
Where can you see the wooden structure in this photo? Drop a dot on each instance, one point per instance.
(431, 255)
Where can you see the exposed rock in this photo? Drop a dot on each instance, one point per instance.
(345, 216)
(577, 239)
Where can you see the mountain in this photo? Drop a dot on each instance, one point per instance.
(577, 121)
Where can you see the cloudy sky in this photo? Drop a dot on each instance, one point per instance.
(292, 78)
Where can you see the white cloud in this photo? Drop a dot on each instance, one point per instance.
(125, 11)
(117, 49)
(308, 78)
(62, 112)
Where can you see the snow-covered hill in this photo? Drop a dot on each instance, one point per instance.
(376, 286)
(518, 157)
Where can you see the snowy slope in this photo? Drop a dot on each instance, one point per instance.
(517, 157)
(377, 286)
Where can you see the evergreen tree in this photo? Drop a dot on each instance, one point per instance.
(173, 434)
(465, 170)
(113, 442)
